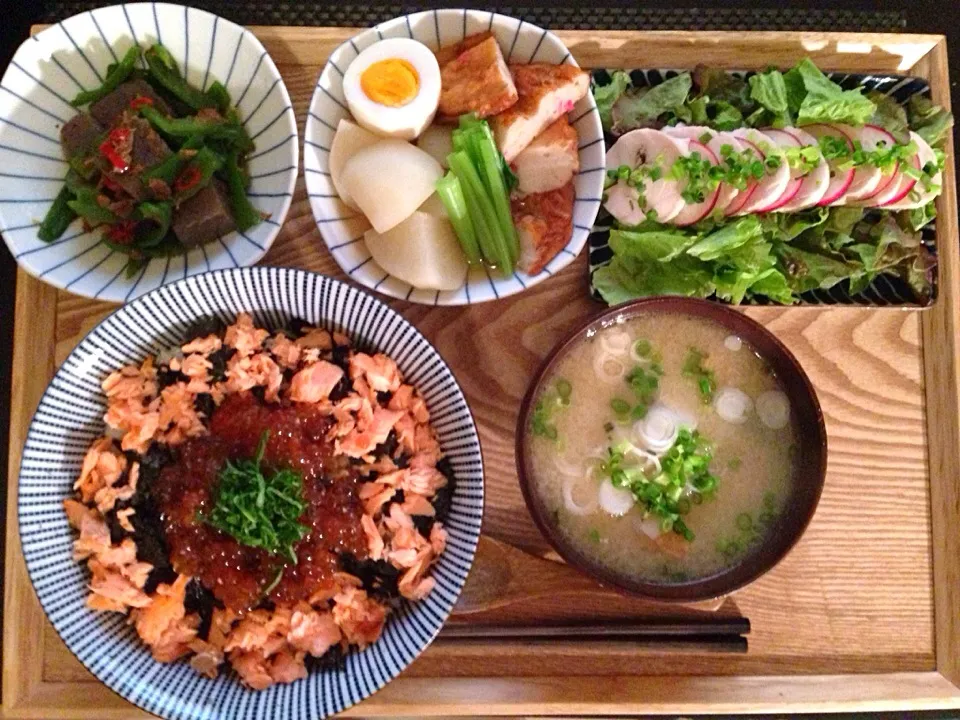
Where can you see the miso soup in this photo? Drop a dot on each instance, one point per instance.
(663, 448)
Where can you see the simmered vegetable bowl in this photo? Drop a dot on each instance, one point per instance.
(766, 186)
(157, 163)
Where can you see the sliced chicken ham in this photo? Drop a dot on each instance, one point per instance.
(841, 179)
(774, 183)
(815, 182)
(923, 190)
(646, 148)
(695, 212)
(715, 142)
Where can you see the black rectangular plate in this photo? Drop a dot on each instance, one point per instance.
(885, 291)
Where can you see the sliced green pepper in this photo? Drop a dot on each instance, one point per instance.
(162, 215)
(191, 126)
(58, 217)
(245, 215)
(163, 69)
(86, 206)
(116, 74)
(218, 94)
(170, 168)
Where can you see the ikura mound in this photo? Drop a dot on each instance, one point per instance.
(260, 500)
(671, 454)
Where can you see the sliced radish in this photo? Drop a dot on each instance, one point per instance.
(840, 180)
(815, 182)
(774, 184)
(715, 143)
(919, 194)
(786, 140)
(743, 196)
(868, 179)
(646, 147)
(695, 212)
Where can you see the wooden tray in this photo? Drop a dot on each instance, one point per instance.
(863, 615)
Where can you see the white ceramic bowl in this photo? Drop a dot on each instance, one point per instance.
(50, 68)
(342, 228)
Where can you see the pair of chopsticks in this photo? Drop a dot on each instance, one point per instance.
(715, 635)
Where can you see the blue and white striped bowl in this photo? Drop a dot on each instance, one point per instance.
(50, 68)
(342, 228)
(70, 416)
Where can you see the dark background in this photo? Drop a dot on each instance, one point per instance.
(925, 16)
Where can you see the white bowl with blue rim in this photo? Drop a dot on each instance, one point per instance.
(50, 68)
(342, 228)
(70, 417)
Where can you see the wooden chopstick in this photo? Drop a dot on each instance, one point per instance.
(729, 627)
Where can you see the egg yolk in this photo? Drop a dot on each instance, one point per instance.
(393, 82)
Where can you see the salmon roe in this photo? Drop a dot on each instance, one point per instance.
(236, 574)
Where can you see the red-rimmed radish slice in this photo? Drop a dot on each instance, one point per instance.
(815, 182)
(646, 147)
(695, 212)
(919, 194)
(840, 180)
(868, 179)
(743, 196)
(774, 183)
(785, 140)
(715, 143)
(896, 191)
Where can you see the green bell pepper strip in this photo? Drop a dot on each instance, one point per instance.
(163, 69)
(115, 75)
(218, 94)
(189, 127)
(162, 215)
(245, 215)
(86, 206)
(58, 217)
(168, 169)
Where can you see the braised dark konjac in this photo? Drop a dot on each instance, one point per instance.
(155, 162)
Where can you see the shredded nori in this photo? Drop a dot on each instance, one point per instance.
(204, 326)
(342, 388)
(200, 600)
(295, 327)
(444, 497)
(384, 397)
(379, 577)
(205, 405)
(423, 524)
(148, 528)
(332, 659)
(341, 357)
(260, 393)
(167, 377)
(218, 360)
(387, 447)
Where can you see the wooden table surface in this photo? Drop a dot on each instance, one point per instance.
(855, 596)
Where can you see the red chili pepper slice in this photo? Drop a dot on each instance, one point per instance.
(187, 179)
(118, 136)
(122, 232)
(140, 101)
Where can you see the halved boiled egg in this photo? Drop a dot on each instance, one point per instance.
(393, 88)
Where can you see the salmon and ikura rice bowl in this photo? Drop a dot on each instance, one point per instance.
(260, 500)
